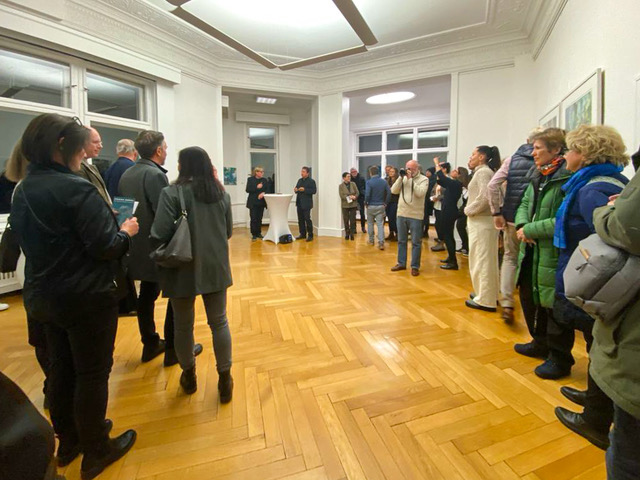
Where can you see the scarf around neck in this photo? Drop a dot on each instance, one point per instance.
(550, 168)
(571, 189)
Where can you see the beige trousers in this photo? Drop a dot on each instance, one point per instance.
(483, 260)
(509, 266)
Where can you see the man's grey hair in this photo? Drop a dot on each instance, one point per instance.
(125, 146)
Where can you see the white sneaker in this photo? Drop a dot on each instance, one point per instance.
(4, 306)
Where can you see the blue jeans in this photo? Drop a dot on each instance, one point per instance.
(406, 225)
(376, 213)
(623, 461)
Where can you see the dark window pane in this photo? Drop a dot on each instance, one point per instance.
(263, 138)
(370, 143)
(13, 126)
(268, 163)
(34, 80)
(400, 140)
(113, 97)
(365, 162)
(433, 138)
(399, 160)
(426, 159)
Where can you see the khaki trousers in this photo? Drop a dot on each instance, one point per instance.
(483, 260)
(509, 266)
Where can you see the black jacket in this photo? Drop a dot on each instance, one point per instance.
(253, 191)
(361, 184)
(452, 193)
(70, 239)
(304, 200)
(517, 181)
(143, 182)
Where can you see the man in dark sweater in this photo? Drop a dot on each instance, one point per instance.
(305, 190)
(127, 156)
(377, 194)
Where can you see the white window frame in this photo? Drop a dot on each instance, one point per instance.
(275, 150)
(414, 151)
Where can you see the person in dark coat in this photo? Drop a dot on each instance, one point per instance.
(361, 183)
(127, 155)
(27, 442)
(305, 190)
(208, 209)
(449, 211)
(72, 246)
(144, 182)
(257, 187)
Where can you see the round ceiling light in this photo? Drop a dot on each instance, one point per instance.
(393, 97)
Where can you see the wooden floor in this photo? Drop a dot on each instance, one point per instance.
(342, 369)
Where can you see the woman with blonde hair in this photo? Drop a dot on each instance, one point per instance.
(597, 155)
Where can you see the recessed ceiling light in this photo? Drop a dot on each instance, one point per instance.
(268, 100)
(393, 97)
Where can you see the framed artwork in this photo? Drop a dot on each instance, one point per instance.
(230, 176)
(636, 129)
(551, 118)
(583, 106)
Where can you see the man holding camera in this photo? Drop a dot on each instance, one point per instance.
(412, 187)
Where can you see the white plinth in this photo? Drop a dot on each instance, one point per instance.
(278, 205)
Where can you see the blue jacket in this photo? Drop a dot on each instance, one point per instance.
(377, 191)
(113, 174)
(580, 223)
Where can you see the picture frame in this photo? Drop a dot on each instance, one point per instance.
(583, 105)
(230, 176)
(636, 126)
(551, 119)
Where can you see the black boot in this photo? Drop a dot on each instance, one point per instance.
(188, 380)
(96, 460)
(225, 386)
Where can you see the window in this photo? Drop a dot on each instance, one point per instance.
(32, 79)
(35, 81)
(397, 147)
(263, 151)
(112, 97)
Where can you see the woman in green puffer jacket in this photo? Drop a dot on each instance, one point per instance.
(535, 224)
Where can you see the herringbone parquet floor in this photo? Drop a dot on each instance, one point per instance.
(342, 369)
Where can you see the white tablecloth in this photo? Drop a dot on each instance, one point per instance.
(278, 205)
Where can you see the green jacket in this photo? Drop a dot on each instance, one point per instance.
(537, 214)
(615, 354)
(210, 225)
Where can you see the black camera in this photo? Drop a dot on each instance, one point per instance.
(402, 172)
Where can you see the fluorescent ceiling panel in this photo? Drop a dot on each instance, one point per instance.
(295, 29)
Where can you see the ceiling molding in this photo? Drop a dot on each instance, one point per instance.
(544, 23)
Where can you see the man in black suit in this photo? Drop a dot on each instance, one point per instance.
(256, 188)
(361, 184)
(305, 189)
(449, 211)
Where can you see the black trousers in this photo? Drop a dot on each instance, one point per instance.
(255, 214)
(81, 353)
(363, 220)
(349, 220)
(149, 292)
(598, 407)
(447, 226)
(392, 215)
(130, 302)
(438, 215)
(304, 222)
(561, 327)
(535, 316)
(38, 340)
(461, 226)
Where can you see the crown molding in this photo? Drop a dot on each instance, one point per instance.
(544, 23)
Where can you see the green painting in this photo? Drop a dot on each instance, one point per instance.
(579, 112)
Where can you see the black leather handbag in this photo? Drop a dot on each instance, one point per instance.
(9, 250)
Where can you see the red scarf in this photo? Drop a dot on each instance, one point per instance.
(550, 168)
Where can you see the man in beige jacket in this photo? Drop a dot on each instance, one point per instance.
(412, 187)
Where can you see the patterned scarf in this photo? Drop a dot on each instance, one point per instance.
(571, 189)
(550, 168)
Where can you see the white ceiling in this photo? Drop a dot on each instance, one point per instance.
(401, 26)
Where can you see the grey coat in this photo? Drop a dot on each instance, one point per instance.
(211, 226)
(143, 182)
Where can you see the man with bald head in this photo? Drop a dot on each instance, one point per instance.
(127, 155)
(412, 187)
(89, 172)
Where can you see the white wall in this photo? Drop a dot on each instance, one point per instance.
(593, 34)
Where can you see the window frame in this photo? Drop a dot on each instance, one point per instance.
(275, 151)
